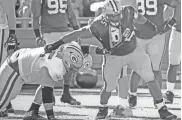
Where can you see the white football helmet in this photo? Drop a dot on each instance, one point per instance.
(112, 7)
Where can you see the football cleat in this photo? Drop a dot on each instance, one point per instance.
(10, 108)
(102, 113)
(67, 98)
(4, 113)
(33, 115)
(169, 96)
(165, 114)
(121, 111)
(132, 100)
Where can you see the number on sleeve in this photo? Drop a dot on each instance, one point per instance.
(56, 6)
(148, 7)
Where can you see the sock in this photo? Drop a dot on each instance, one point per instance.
(133, 93)
(103, 105)
(159, 103)
(66, 89)
(50, 112)
(34, 106)
(123, 102)
(170, 86)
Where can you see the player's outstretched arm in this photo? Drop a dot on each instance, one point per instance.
(71, 16)
(83, 32)
(9, 8)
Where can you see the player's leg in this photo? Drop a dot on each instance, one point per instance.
(10, 86)
(123, 109)
(142, 66)
(135, 78)
(111, 69)
(174, 60)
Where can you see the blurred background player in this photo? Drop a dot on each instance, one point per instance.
(174, 23)
(8, 41)
(154, 45)
(50, 22)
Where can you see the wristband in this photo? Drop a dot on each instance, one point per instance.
(171, 22)
(37, 33)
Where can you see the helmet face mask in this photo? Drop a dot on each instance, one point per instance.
(112, 10)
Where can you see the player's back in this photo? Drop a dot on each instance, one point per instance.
(153, 11)
(54, 16)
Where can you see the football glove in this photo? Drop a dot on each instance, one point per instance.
(11, 44)
(40, 42)
(168, 25)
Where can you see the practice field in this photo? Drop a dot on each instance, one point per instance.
(90, 103)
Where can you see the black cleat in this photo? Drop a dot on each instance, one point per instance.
(169, 96)
(102, 113)
(67, 98)
(52, 118)
(165, 114)
(10, 108)
(132, 100)
(4, 113)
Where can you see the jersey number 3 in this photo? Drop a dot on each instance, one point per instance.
(147, 7)
(56, 6)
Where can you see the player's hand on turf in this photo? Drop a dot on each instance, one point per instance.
(40, 42)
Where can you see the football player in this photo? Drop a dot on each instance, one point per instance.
(154, 45)
(45, 71)
(54, 16)
(8, 41)
(114, 29)
(174, 52)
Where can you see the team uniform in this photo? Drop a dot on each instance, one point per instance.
(154, 45)
(4, 32)
(45, 71)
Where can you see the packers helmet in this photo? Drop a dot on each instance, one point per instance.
(87, 63)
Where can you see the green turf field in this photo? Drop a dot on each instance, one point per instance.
(90, 102)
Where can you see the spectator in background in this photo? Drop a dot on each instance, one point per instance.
(25, 12)
(77, 6)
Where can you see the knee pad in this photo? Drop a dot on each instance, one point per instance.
(47, 95)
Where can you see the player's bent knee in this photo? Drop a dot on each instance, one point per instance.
(47, 94)
(148, 76)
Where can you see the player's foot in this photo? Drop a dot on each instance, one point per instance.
(121, 111)
(33, 115)
(102, 113)
(52, 118)
(10, 108)
(4, 113)
(132, 100)
(67, 98)
(165, 114)
(155, 105)
(169, 96)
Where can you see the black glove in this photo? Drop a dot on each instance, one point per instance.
(40, 42)
(168, 25)
(11, 44)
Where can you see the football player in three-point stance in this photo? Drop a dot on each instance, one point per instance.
(8, 41)
(114, 29)
(54, 16)
(45, 71)
(154, 45)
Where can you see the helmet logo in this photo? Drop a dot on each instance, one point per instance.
(74, 59)
(86, 64)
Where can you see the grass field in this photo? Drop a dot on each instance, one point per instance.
(90, 102)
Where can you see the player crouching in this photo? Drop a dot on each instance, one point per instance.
(27, 66)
